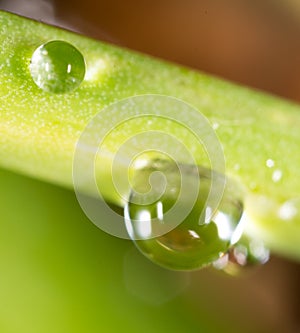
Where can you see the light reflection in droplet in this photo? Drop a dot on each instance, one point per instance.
(160, 211)
(144, 228)
(224, 225)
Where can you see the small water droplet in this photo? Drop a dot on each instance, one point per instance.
(276, 176)
(270, 163)
(201, 237)
(57, 67)
(215, 126)
(289, 210)
(247, 253)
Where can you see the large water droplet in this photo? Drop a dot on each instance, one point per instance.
(57, 67)
(201, 237)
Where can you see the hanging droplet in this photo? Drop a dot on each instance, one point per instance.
(57, 67)
(247, 253)
(198, 239)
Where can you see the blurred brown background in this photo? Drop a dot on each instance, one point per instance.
(255, 43)
(252, 42)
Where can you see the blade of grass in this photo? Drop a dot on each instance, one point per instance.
(39, 131)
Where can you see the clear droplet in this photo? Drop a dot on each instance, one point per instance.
(276, 176)
(199, 239)
(290, 210)
(57, 67)
(247, 253)
(270, 163)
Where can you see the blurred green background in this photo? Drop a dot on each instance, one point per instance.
(59, 273)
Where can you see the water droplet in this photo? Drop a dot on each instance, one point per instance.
(276, 176)
(247, 253)
(215, 126)
(57, 67)
(270, 163)
(198, 239)
(289, 210)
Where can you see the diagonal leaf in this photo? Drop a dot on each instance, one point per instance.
(39, 130)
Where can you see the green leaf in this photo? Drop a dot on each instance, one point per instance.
(39, 130)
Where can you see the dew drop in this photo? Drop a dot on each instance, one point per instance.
(57, 67)
(276, 176)
(247, 253)
(270, 163)
(289, 210)
(201, 237)
(215, 126)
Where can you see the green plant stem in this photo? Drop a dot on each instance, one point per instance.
(39, 130)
